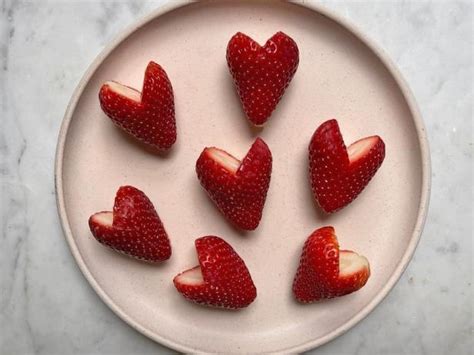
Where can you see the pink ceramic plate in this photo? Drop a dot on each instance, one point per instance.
(340, 75)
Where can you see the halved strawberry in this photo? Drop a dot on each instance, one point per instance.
(133, 227)
(238, 188)
(220, 280)
(261, 74)
(338, 175)
(149, 115)
(326, 272)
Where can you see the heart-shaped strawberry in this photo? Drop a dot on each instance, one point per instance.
(221, 279)
(327, 272)
(238, 188)
(338, 175)
(133, 227)
(148, 116)
(261, 74)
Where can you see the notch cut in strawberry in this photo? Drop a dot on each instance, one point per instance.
(327, 272)
(238, 188)
(220, 280)
(149, 116)
(261, 73)
(339, 174)
(133, 227)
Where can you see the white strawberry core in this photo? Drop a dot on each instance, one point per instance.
(358, 149)
(104, 218)
(351, 263)
(191, 277)
(125, 91)
(224, 159)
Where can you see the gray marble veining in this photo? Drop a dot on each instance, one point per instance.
(46, 306)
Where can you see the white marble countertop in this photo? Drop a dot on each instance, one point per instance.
(46, 305)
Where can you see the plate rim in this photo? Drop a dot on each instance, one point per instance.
(422, 141)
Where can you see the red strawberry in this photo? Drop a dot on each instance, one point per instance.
(338, 175)
(238, 188)
(261, 74)
(326, 272)
(149, 115)
(220, 280)
(133, 227)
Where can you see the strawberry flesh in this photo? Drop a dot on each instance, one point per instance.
(325, 271)
(238, 188)
(148, 116)
(338, 175)
(133, 228)
(221, 279)
(261, 74)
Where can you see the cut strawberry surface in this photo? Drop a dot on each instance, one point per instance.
(133, 228)
(221, 279)
(224, 159)
(338, 175)
(238, 188)
(350, 263)
(104, 219)
(191, 277)
(124, 91)
(148, 116)
(261, 73)
(325, 271)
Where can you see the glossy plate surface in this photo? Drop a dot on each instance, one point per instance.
(339, 76)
